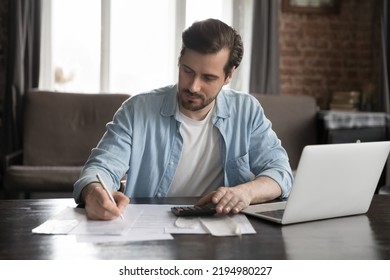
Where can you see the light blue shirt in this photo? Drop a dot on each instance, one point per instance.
(143, 142)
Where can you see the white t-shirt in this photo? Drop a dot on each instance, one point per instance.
(200, 167)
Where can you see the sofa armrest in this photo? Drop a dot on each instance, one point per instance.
(13, 158)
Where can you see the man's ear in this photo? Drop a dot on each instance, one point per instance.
(230, 76)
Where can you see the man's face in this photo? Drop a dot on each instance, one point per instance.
(201, 77)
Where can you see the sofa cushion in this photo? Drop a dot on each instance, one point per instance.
(60, 129)
(42, 178)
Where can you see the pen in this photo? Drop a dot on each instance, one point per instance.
(107, 190)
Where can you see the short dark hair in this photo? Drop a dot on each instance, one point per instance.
(210, 36)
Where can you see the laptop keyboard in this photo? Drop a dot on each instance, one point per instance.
(278, 214)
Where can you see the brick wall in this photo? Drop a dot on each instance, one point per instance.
(321, 54)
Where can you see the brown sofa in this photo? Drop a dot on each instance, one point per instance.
(60, 129)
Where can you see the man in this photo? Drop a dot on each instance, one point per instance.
(190, 139)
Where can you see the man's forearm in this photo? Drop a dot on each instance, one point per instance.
(262, 189)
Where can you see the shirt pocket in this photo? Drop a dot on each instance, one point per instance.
(238, 170)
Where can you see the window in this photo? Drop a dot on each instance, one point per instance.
(128, 46)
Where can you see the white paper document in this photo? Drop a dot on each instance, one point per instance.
(225, 225)
(142, 222)
(74, 221)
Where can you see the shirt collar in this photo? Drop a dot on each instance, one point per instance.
(169, 105)
(222, 106)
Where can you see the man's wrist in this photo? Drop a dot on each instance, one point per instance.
(87, 190)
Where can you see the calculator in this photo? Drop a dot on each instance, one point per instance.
(182, 211)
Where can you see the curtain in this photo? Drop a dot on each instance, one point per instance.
(264, 77)
(385, 36)
(22, 66)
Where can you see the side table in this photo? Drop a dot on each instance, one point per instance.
(348, 127)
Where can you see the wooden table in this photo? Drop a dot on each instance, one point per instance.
(358, 237)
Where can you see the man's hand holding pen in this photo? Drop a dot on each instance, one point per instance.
(98, 204)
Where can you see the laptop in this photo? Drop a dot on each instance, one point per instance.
(332, 180)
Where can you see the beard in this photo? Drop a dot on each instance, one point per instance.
(193, 101)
